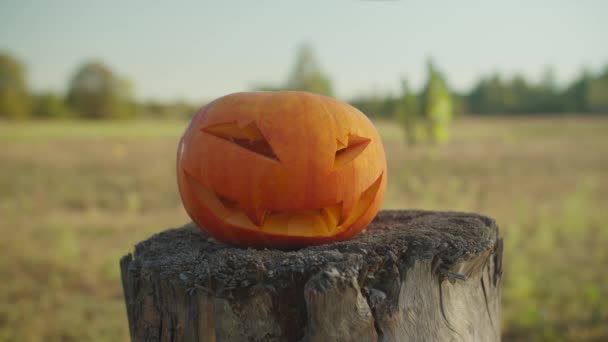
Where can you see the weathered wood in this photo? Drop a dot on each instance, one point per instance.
(411, 276)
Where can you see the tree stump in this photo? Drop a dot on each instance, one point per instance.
(410, 276)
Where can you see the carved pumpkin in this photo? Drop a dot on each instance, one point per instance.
(281, 169)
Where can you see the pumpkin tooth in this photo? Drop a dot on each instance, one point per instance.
(307, 224)
(332, 215)
(206, 198)
(275, 222)
(239, 219)
(365, 200)
(347, 208)
(255, 214)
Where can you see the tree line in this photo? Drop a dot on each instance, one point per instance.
(497, 95)
(95, 91)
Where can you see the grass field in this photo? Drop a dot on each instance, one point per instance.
(75, 196)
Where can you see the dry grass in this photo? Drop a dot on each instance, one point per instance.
(75, 196)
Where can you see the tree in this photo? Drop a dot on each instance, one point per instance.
(596, 95)
(49, 106)
(407, 112)
(14, 99)
(95, 92)
(575, 94)
(376, 105)
(489, 96)
(266, 87)
(306, 74)
(587, 94)
(436, 106)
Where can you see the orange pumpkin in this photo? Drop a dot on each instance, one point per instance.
(281, 169)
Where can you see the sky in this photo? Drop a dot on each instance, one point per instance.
(200, 50)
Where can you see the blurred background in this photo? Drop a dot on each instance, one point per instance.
(496, 108)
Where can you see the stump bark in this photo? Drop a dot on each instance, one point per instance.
(411, 276)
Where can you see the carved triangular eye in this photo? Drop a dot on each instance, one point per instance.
(248, 137)
(348, 149)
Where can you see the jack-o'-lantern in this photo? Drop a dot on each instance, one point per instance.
(281, 169)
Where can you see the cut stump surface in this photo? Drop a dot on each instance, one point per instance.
(411, 276)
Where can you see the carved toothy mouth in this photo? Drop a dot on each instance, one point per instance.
(318, 222)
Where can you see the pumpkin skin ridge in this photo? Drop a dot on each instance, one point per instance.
(346, 181)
